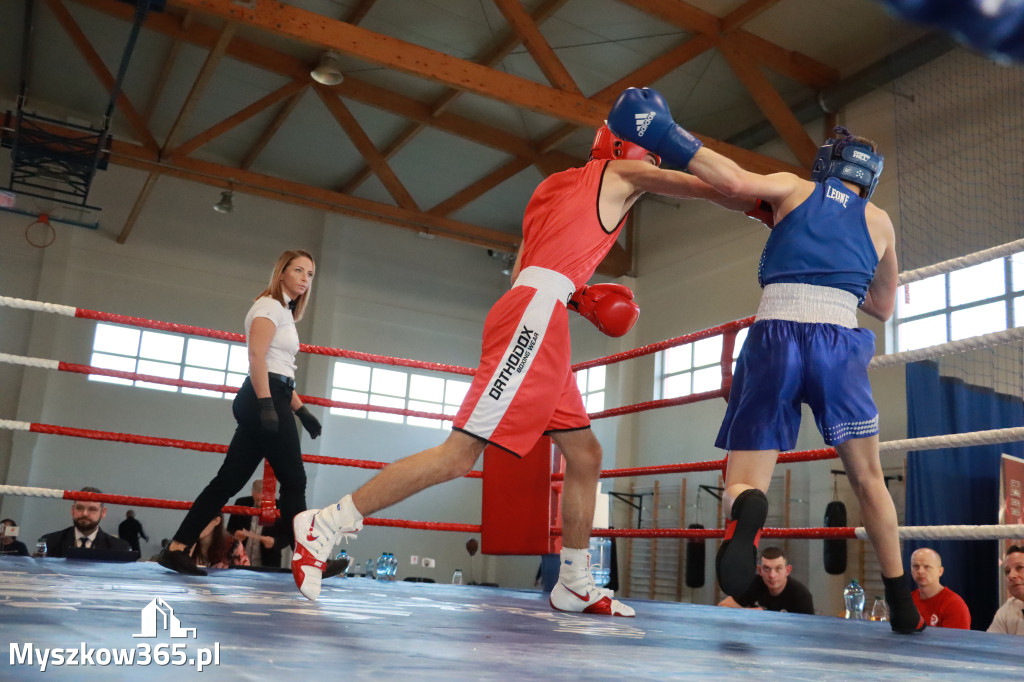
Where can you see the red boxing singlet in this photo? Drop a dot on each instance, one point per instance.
(562, 229)
(524, 386)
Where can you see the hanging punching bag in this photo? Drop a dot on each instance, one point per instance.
(695, 560)
(835, 550)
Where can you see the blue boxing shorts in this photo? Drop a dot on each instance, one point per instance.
(784, 364)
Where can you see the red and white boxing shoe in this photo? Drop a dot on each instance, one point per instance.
(316, 531)
(583, 596)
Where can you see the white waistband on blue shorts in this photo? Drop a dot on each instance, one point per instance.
(808, 303)
(548, 281)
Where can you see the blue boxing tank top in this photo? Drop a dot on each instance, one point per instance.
(823, 241)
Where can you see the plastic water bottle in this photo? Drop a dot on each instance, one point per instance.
(600, 560)
(853, 596)
(343, 556)
(382, 566)
(457, 577)
(368, 568)
(393, 568)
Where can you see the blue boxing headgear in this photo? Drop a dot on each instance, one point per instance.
(848, 157)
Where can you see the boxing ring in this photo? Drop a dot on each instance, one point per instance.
(258, 627)
(365, 628)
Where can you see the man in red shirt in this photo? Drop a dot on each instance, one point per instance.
(940, 606)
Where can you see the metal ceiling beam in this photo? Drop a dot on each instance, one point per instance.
(383, 50)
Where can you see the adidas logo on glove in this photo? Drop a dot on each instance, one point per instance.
(643, 121)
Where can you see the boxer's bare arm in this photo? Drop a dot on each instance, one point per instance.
(784, 191)
(626, 181)
(880, 300)
(518, 265)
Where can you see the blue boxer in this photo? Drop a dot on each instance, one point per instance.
(786, 363)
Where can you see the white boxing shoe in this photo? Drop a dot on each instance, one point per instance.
(587, 598)
(316, 531)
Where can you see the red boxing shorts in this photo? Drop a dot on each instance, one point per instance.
(524, 386)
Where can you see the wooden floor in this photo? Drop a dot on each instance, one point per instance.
(260, 628)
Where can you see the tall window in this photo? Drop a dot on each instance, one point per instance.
(981, 299)
(694, 367)
(591, 383)
(386, 387)
(174, 356)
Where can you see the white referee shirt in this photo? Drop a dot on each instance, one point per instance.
(285, 343)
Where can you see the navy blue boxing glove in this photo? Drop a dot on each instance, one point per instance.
(641, 116)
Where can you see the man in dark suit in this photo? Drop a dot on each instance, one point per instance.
(85, 531)
(131, 529)
(263, 544)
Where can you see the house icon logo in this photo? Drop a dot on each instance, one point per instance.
(158, 615)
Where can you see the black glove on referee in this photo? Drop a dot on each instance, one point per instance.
(268, 415)
(309, 422)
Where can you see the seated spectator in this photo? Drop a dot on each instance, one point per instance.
(163, 546)
(9, 544)
(85, 531)
(1009, 619)
(263, 544)
(940, 606)
(775, 591)
(216, 549)
(131, 529)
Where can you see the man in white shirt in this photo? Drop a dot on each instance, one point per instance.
(85, 533)
(1009, 619)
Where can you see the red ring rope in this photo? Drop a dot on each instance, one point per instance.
(240, 338)
(94, 434)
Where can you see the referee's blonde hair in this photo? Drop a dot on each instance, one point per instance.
(274, 289)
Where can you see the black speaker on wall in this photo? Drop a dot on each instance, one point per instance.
(835, 550)
(695, 560)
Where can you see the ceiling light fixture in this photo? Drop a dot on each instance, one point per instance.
(328, 71)
(224, 205)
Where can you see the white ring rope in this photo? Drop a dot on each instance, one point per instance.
(29, 362)
(956, 440)
(1007, 532)
(905, 532)
(24, 304)
(975, 342)
(25, 491)
(12, 425)
(962, 262)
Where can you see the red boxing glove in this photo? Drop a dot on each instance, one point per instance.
(609, 307)
(762, 211)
